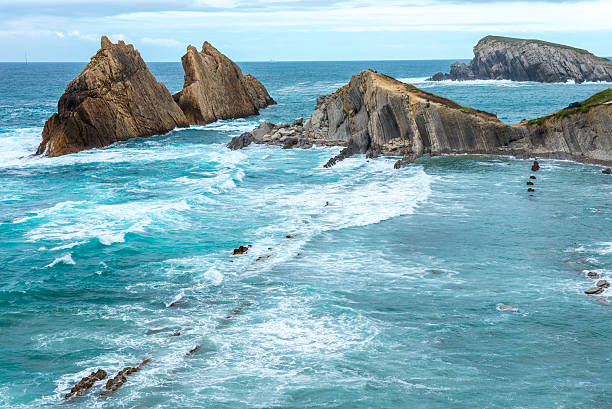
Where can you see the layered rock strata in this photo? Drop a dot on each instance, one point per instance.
(113, 99)
(215, 88)
(378, 115)
(498, 58)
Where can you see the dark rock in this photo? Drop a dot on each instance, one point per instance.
(241, 250)
(215, 88)
(529, 60)
(176, 334)
(594, 290)
(603, 284)
(529, 183)
(532, 177)
(531, 190)
(113, 99)
(290, 142)
(535, 167)
(289, 236)
(298, 121)
(592, 274)
(607, 171)
(242, 141)
(193, 350)
(574, 105)
(115, 383)
(86, 383)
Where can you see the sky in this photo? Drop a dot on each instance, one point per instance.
(294, 30)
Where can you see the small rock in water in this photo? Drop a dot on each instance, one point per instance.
(594, 290)
(603, 284)
(193, 350)
(592, 274)
(607, 171)
(529, 183)
(506, 307)
(241, 250)
(436, 272)
(531, 190)
(326, 203)
(532, 177)
(176, 334)
(535, 167)
(86, 383)
(289, 236)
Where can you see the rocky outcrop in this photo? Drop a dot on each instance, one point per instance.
(215, 88)
(378, 115)
(497, 58)
(115, 98)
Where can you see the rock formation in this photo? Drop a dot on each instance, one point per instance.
(86, 383)
(215, 88)
(504, 58)
(115, 383)
(115, 98)
(378, 115)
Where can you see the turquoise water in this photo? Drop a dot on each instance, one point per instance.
(388, 297)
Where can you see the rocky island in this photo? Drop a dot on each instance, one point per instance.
(215, 88)
(505, 58)
(378, 115)
(116, 98)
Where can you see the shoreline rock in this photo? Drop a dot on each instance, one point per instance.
(377, 115)
(506, 58)
(113, 99)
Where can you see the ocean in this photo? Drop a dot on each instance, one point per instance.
(390, 296)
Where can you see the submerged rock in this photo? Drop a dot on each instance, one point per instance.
(607, 171)
(505, 58)
(113, 99)
(506, 308)
(603, 284)
(86, 383)
(215, 88)
(377, 115)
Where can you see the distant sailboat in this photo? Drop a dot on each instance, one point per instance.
(26, 58)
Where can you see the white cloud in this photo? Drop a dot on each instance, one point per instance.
(163, 42)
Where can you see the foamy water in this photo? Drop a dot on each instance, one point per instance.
(439, 285)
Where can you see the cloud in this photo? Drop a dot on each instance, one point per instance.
(163, 42)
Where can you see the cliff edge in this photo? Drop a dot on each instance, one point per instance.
(378, 115)
(114, 98)
(505, 58)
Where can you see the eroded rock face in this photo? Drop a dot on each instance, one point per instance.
(115, 98)
(215, 88)
(529, 60)
(378, 115)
